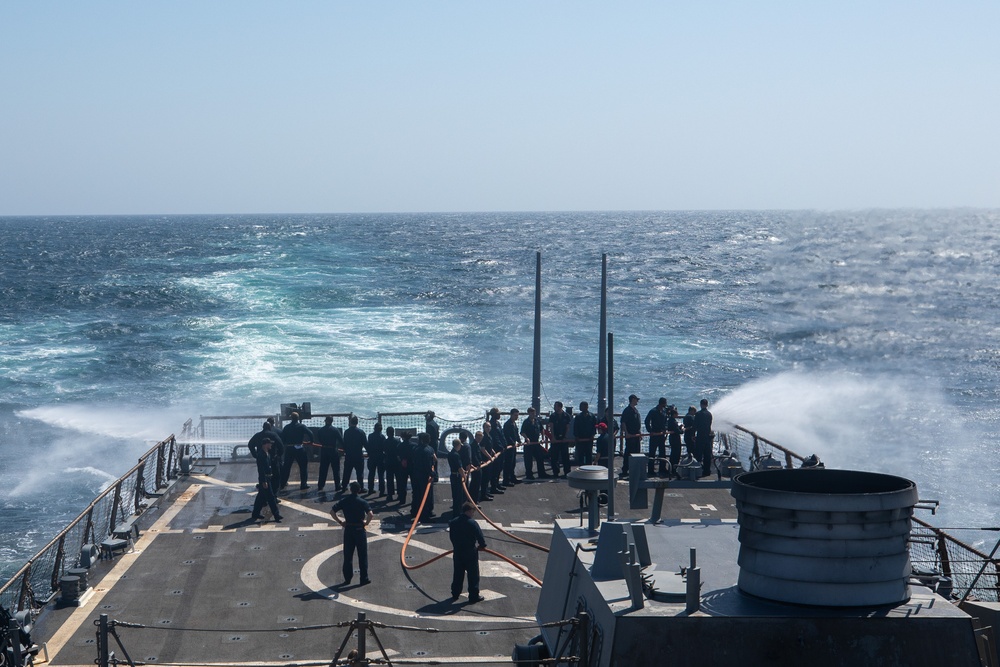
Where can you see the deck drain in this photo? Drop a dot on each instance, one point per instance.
(301, 535)
(286, 656)
(150, 658)
(249, 574)
(411, 586)
(672, 495)
(298, 560)
(199, 537)
(189, 562)
(499, 509)
(289, 619)
(235, 638)
(107, 606)
(283, 635)
(522, 555)
(257, 548)
(294, 590)
(90, 641)
(411, 557)
(243, 604)
(165, 621)
(529, 585)
(420, 653)
(176, 593)
(483, 632)
(543, 500)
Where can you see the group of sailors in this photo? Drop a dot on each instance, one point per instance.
(485, 463)
(480, 467)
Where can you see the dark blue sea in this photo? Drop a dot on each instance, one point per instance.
(871, 338)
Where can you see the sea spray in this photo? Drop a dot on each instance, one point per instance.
(876, 423)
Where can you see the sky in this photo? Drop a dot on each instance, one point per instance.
(324, 107)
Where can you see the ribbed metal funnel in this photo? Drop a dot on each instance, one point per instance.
(824, 537)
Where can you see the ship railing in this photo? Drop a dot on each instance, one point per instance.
(944, 556)
(225, 437)
(751, 448)
(122, 501)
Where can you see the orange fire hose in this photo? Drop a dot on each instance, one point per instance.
(416, 520)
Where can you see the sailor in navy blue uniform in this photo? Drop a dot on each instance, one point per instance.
(531, 429)
(265, 480)
(466, 539)
(266, 430)
(632, 423)
(294, 435)
(331, 442)
(457, 471)
(703, 437)
(355, 441)
(512, 435)
(558, 426)
(424, 471)
(376, 447)
(357, 515)
(391, 461)
(656, 426)
(584, 429)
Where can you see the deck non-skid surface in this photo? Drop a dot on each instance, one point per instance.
(212, 587)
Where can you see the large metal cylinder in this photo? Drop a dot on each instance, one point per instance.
(824, 537)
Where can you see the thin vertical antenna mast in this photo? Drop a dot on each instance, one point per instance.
(602, 361)
(610, 420)
(536, 362)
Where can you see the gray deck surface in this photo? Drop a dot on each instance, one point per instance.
(215, 588)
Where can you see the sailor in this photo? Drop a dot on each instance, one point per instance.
(265, 481)
(674, 434)
(688, 430)
(501, 445)
(531, 429)
(656, 426)
(266, 430)
(354, 453)
(457, 473)
(357, 516)
(433, 430)
(466, 539)
(512, 435)
(632, 425)
(294, 435)
(391, 461)
(376, 459)
(424, 471)
(474, 480)
(331, 442)
(703, 437)
(558, 427)
(603, 442)
(486, 458)
(584, 429)
(492, 472)
(404, 452)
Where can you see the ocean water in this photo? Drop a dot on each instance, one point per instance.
(871, 338)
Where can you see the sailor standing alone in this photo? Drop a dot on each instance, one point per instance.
(357, 516)
(466, 539)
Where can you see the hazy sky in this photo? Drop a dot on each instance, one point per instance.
(234, 107)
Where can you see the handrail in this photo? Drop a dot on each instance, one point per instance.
(35, 582)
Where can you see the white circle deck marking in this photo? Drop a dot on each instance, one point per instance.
(310, 577)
